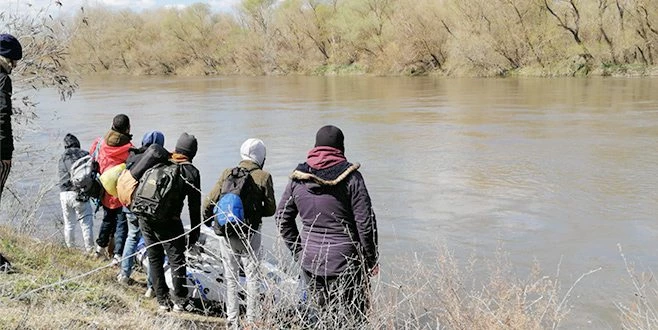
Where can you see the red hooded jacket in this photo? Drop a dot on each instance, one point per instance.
(114, 150)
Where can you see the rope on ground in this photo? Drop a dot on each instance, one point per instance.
(58, 283)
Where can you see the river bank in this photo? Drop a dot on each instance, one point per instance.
(92, 301)
(379, 37)
(56, 287)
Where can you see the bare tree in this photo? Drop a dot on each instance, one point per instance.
(568, 16)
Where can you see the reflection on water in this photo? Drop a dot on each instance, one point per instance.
(553, 168)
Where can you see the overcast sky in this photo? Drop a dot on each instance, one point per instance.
(71, 6)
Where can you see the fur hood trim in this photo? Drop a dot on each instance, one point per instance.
(303, 176)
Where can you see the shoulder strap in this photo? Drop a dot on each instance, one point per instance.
(97, 150)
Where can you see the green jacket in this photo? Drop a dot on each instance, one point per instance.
(262, 179)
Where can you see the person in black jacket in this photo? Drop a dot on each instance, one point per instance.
(134, 232)
(11, 52)
(75, 207)
(167, 235)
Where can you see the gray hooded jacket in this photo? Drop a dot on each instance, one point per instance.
(71, 154)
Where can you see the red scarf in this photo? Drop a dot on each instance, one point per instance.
(324, 157)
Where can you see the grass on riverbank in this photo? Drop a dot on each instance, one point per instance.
(93, 301)
(422, 295)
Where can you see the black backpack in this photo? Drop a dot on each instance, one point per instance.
(158, 192)
(237, 210)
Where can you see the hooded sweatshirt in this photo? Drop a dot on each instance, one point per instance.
(152, 137)
(114, 150)
(252, 153)
(72, 153)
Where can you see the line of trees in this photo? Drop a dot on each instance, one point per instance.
(451, 37)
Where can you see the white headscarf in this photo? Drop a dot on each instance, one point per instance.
(253, 150)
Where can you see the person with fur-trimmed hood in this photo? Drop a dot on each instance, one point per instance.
(337, 245)
(113, 149)
(235, 251)
(75, 207)
(11, 52)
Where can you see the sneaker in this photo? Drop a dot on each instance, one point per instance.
(6, 268)
(116, 260)
(183, 307)
(149, 293)
(98, 253)
(125, 280)
(164, 306)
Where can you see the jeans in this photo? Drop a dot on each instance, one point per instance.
(233, 252)
(129, 249)
(114, 221)
(77, 211)
(175, 249)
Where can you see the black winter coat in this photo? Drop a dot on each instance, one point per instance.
(6, 135)
(192, 190)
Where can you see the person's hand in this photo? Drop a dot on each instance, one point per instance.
(375, 270)
(7, 162)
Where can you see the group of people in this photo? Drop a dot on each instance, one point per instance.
(336, 245)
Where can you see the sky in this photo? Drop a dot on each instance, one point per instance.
(70, 6)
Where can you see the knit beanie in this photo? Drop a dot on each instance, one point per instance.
(253, 150)
(121, 123)
(10, 47)
(330, 136)
(153, 137)
(187, 145)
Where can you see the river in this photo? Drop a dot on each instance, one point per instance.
(559, 171)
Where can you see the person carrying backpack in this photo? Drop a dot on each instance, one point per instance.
(242, 245)
(112, 149)
(75, 206)
(158, 204)
(134, 233)
(337, 245)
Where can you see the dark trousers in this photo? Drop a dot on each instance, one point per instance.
(114, 223)
(343, 298)
(175, 250)
(4, 174)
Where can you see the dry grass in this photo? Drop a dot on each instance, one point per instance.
(95, 301)
(641, 311)
(418, 295)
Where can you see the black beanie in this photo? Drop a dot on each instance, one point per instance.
(10, 47)
(121, 123)
(187, 145)
(330, 136)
